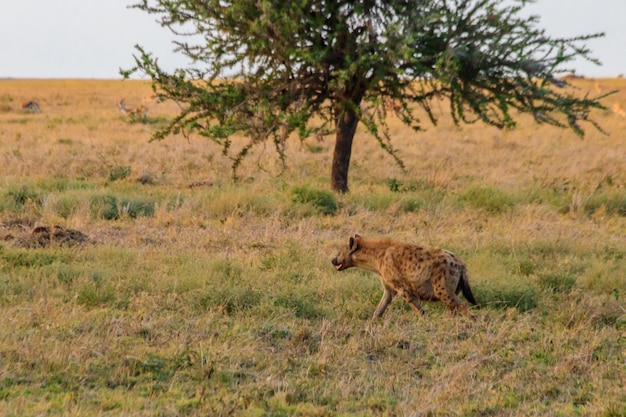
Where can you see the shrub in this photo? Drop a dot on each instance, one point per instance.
(138, 208)
(323, 201)
(18, 196)
(109, 207)
(104, 207)
(119, 173)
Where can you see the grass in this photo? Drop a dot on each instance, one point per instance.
(200, 296)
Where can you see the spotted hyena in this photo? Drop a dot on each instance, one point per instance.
(412, 271)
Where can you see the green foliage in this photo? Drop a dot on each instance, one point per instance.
(67, 205)
(16, 197)
(137, 207)
(110, 207)
(104, 207)
(319, 67)
(323, 201)
(119, 173)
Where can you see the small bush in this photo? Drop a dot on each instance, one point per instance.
(138, 208)
(23, 194)
(109, 207)
(104, 207)
(323, 201)
(119, 173)
(66, 206)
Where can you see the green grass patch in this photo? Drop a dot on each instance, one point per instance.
(522, 297)
(491, 200)
(556, 282)
(24, 258)
(302, 302)
(95, 291)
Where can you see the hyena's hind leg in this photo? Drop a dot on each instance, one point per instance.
(414, 303)
(446, 293)
(461, 305)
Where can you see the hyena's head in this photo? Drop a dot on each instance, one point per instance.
(344, 260)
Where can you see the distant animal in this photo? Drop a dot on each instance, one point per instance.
(32, 106)
(414, 272)
(139, 112)
(392, 106)
(617, 109)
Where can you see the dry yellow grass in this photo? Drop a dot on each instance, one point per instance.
(220, 299)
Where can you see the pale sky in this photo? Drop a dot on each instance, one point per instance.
(94, 38)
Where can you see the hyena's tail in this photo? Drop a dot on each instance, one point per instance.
(465, 288)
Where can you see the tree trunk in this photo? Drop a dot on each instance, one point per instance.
(346, 128)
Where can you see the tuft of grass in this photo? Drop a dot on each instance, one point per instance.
(610, 204)
(303, 302)
(23, 258)
(519, 296)
(95, 292)
(491, 200)
(556, 282)
(410, 205)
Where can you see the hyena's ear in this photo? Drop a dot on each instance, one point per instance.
(354, 243)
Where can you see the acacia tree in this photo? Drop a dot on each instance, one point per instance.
(268, 68)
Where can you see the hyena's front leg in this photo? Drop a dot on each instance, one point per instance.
(384, 302)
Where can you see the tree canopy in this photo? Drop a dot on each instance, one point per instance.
(265, 69)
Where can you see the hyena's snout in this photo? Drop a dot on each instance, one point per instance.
(338, 264)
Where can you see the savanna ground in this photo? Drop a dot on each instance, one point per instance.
(194, 295)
